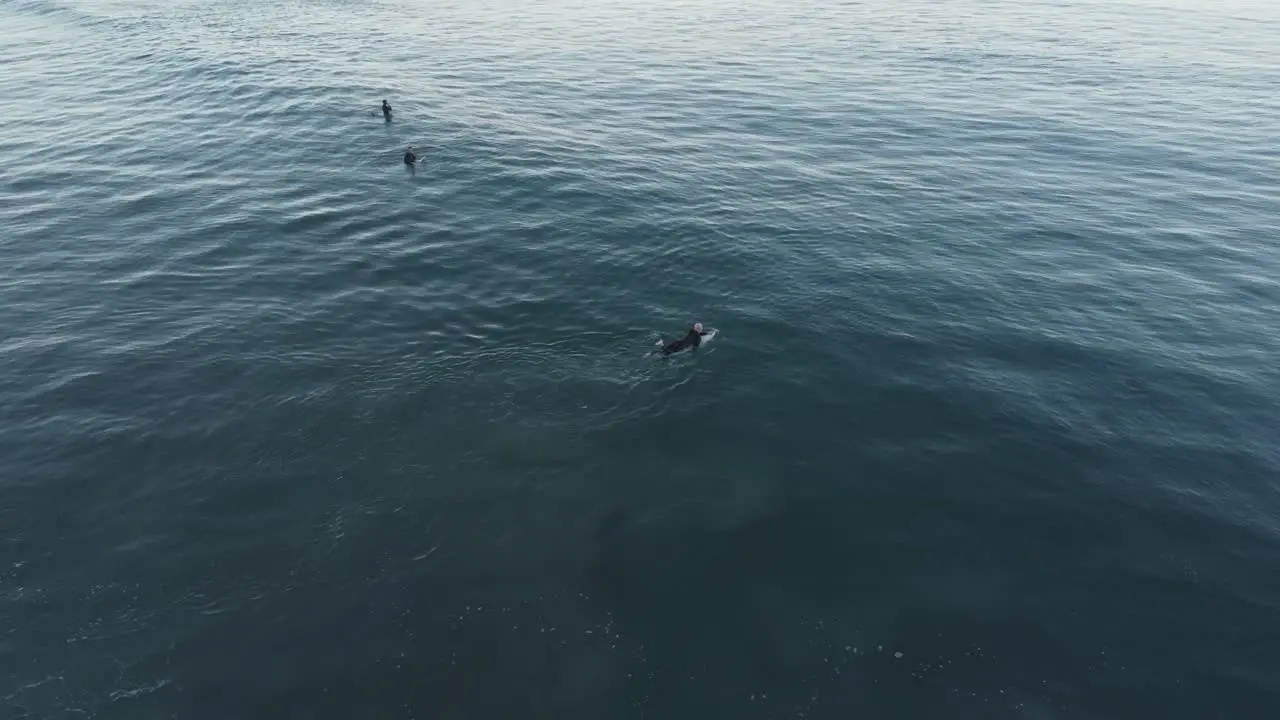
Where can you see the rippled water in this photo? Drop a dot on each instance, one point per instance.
(288, 431)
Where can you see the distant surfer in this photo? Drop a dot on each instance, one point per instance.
(691, 341)
(386, 110)
(410, 158)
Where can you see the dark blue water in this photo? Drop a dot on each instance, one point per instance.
(990, 429)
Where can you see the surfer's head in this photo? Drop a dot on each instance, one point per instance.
(697, 327)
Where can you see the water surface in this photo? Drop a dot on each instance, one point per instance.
(288, 431)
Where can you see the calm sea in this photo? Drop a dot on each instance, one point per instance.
(290, 431)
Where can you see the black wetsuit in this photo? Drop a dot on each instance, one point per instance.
(410, 158)
(690, 341)
(386, 110)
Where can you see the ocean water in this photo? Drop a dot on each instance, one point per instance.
(290, 431)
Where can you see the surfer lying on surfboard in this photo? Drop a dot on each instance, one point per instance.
(690, 341)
